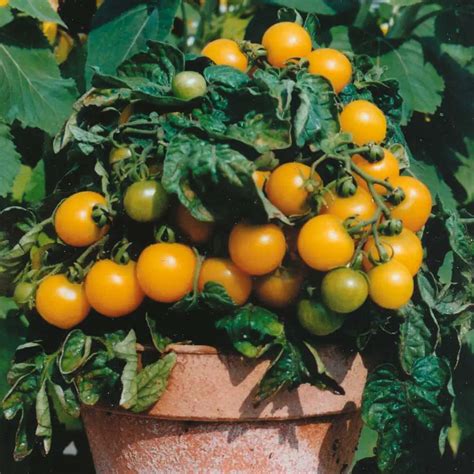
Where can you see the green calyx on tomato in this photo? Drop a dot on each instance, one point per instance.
(146, 201)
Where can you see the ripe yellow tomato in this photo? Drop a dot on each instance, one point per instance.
(113, 289)
(390, 285)
(257, 249)
(365, 121)
(279, 288)
(287, 187)
(360, 205)
(385, 169)
(50, 30)
(332, 65)
(284, 41)
(73, 219)
(165, 271)
(197, 232)
(223, 271)
(324, 243)
(226, 52)
(406, 248)
(415, 209)
(62, 303)
(260, 177)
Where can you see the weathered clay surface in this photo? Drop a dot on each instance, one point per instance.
(206, 421)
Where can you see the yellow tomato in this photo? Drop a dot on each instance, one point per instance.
(332, 65)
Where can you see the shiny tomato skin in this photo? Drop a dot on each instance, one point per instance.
(385, 169)
(390, 285)
(73, 219)
(318, 319)
(257, 249)
(414, 211)
(406, 248)
(223, 271)
(165, 271)
(332, 65)
(324, 243)
(61, 303)
(113, 289)
(365, 121)
(188, 85)
(360, 206)
(284, 41)
(286, 188)
(197, 232)
(146, 201)
(279, 288)
(225, 52)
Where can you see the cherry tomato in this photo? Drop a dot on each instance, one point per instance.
(226, 52)
(73, 219)
(360, 205)
(49, 28)
(197, 232)
(145, 201)
(365, 121)
(220, 270)
(260, 177)
(344, 290)
(257, 249)
(188, 85)
(112, 289)
(324, 243)
(390, 285)
(317, 319)
(288, 187)
(332, 65)
(62, 303)
(415, 209)
(279, 288)
(165, 271)
(119, 154)
(23, 293)
(284, 41)
(385, 169)
(406, 248)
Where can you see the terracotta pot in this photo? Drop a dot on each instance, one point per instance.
(206, 421)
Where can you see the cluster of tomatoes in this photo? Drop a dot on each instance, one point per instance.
(362, 236)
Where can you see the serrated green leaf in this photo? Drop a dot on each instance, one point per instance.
(39, 9)
(43, 418)
(127, 350)
(35, 190)
(5, 16)
(321, 7)
(75, 351)
(9, 160)
(152, 382)
(159, 341)
(67, 400)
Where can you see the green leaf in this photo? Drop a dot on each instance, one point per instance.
(43, 418)
(252, 330)
(127, 351)
(39, 9)
(67, 400)
(159, 341)
(461, 242)
(35, 190)
(322, 7)
(5, 16)
(75, 351)
(33, 90)
(152, 382)
(215, 297)
(127, 25)
(23, 439)
(9, 160)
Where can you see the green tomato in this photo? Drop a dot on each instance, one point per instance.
(23, 293)
(317, 318)
(119, 154)
(344, 290)
(188, 85)
(146, 201)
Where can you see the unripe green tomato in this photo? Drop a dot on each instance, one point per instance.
(188, 85)
(344, 290)
(146, 201)
(23, 293)
(317, 318)
(119, 154)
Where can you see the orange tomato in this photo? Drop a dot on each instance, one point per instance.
(385, 169)
(165, 271)
(390, 285)
(324, 243)
(226, 52)
(415, 209)
(197, 232)
(260, 177)
(279, 288)
(73, 219)
(365, 121)
(223, 271)
(62, 303)
(113, 289)
(257, 249)
(284, 41)
(406, 248)
(332, 65)
(287, 187)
